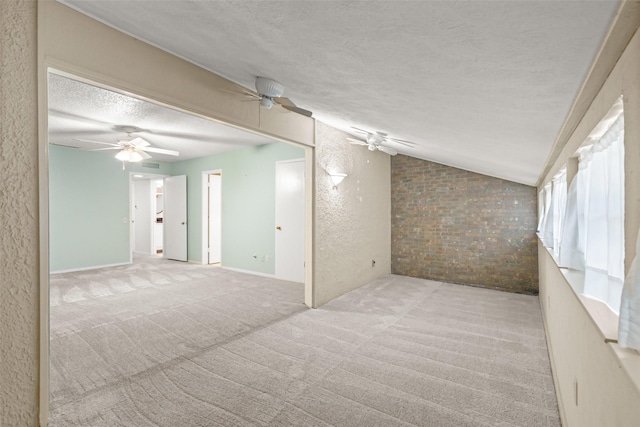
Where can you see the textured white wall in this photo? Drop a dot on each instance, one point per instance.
(352, 222)
(18, 215)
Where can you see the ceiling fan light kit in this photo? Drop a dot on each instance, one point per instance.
(266, 102)
(129, 155)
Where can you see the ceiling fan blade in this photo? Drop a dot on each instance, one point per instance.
(390, 151)
(138, 142)
(97, 142)
(287, 104)
(284, 102)
(356, 141)
(298, 110)
(159, 151)
(102, 149)
(144, 155)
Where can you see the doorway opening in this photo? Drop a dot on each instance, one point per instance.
(124, 220)
(147, 213)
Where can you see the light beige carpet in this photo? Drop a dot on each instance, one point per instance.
(162, 343)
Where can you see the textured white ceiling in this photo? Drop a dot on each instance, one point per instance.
(480, 85)
(81, 111)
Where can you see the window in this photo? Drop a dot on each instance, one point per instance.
(554, 195)
(584, 226)
(593, 239)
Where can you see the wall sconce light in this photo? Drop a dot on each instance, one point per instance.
(336, 178)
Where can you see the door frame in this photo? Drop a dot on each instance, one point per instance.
(132, 201)
(49, 64)
(205, 214)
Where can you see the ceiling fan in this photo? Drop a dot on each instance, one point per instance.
(378, 141)
(131, 148)
(269, 92)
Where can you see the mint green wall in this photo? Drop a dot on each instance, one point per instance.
(88, 200)
(248, 203)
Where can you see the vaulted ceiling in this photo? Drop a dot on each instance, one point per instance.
(480, 85)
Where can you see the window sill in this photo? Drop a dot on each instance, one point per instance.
(604, 318)
(605, 321)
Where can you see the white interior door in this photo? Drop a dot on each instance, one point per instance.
(143, 214)
(175, 217)
(290, 220)
(215, 218)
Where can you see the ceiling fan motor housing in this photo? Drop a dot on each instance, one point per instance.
(269, 88)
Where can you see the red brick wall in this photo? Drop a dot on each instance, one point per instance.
(456, 226)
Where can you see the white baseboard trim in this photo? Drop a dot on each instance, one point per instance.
(255, 273)
(93, 267)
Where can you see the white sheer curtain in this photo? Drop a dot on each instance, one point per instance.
(546, 228)
(541, 208)
(629, 326)
(559, 194)
(572, 244)
(600, 192)
(593, 228)
(555, 199)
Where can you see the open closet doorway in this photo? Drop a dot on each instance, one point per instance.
(147, 213)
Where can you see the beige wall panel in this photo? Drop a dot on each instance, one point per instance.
(352, 222)
(286, 124)
(19, 286)
(606, 394)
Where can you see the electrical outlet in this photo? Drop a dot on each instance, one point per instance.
(266, 258)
